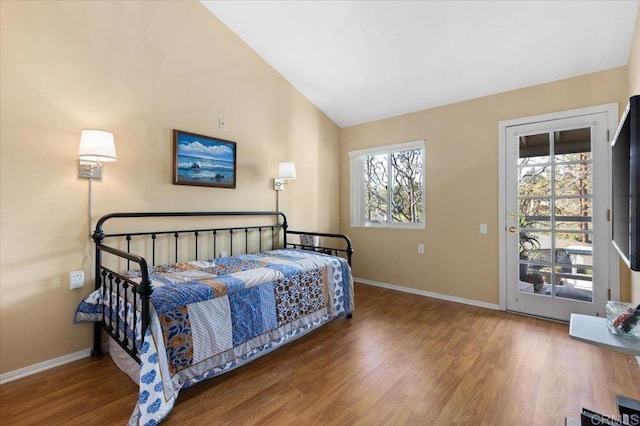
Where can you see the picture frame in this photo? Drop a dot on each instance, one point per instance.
(203, 160)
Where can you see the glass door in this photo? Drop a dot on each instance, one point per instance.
(556, 218)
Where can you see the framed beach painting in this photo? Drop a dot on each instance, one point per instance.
(203, 160)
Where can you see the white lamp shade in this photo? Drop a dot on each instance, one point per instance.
(97, 146)
(287, 169)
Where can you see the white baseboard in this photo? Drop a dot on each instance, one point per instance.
(429, 294)
(42, 366)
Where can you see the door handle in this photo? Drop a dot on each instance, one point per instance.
(513, 229)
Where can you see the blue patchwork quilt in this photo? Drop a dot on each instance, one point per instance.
(214, 315)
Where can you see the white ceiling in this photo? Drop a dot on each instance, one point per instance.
(360, 61)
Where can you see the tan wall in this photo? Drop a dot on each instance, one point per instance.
(461, 185)
(139, 69)
(633, 72)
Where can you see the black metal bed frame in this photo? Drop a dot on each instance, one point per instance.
(138, 294)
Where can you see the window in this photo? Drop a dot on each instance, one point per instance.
(387, 186)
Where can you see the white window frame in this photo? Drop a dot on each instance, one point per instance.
(357, 159)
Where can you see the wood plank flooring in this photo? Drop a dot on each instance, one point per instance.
(401, 360)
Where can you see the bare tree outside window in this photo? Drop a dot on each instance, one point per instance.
(376, 182)
(407, 186)
(394, 180)
(387, 186)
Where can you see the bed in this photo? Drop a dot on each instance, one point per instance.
(182, 301)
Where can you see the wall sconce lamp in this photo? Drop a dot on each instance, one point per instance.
(96, 147)
(286, 171)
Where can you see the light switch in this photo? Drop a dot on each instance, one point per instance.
(483, 228)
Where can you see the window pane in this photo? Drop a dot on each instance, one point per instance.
(534, 180)
(574, 214)
(575, 286)
(534, 149)
(534, 280)
(573, 179)
(535, 246)
(406, 184)
(387, 186)
(375, 179)
(579, 224)
(535, 213)
(572, 145)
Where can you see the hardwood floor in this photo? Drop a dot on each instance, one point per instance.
(401, 360)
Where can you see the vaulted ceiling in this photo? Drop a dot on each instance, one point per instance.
(360, 61)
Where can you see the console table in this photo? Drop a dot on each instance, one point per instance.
(594, 330)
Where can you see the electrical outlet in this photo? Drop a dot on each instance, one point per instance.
(224, 254)
(420, 248)
(222, 124)
(76, 279)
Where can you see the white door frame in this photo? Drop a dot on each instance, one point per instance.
(612, 124)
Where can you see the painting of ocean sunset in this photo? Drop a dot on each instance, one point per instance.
(203, 160)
